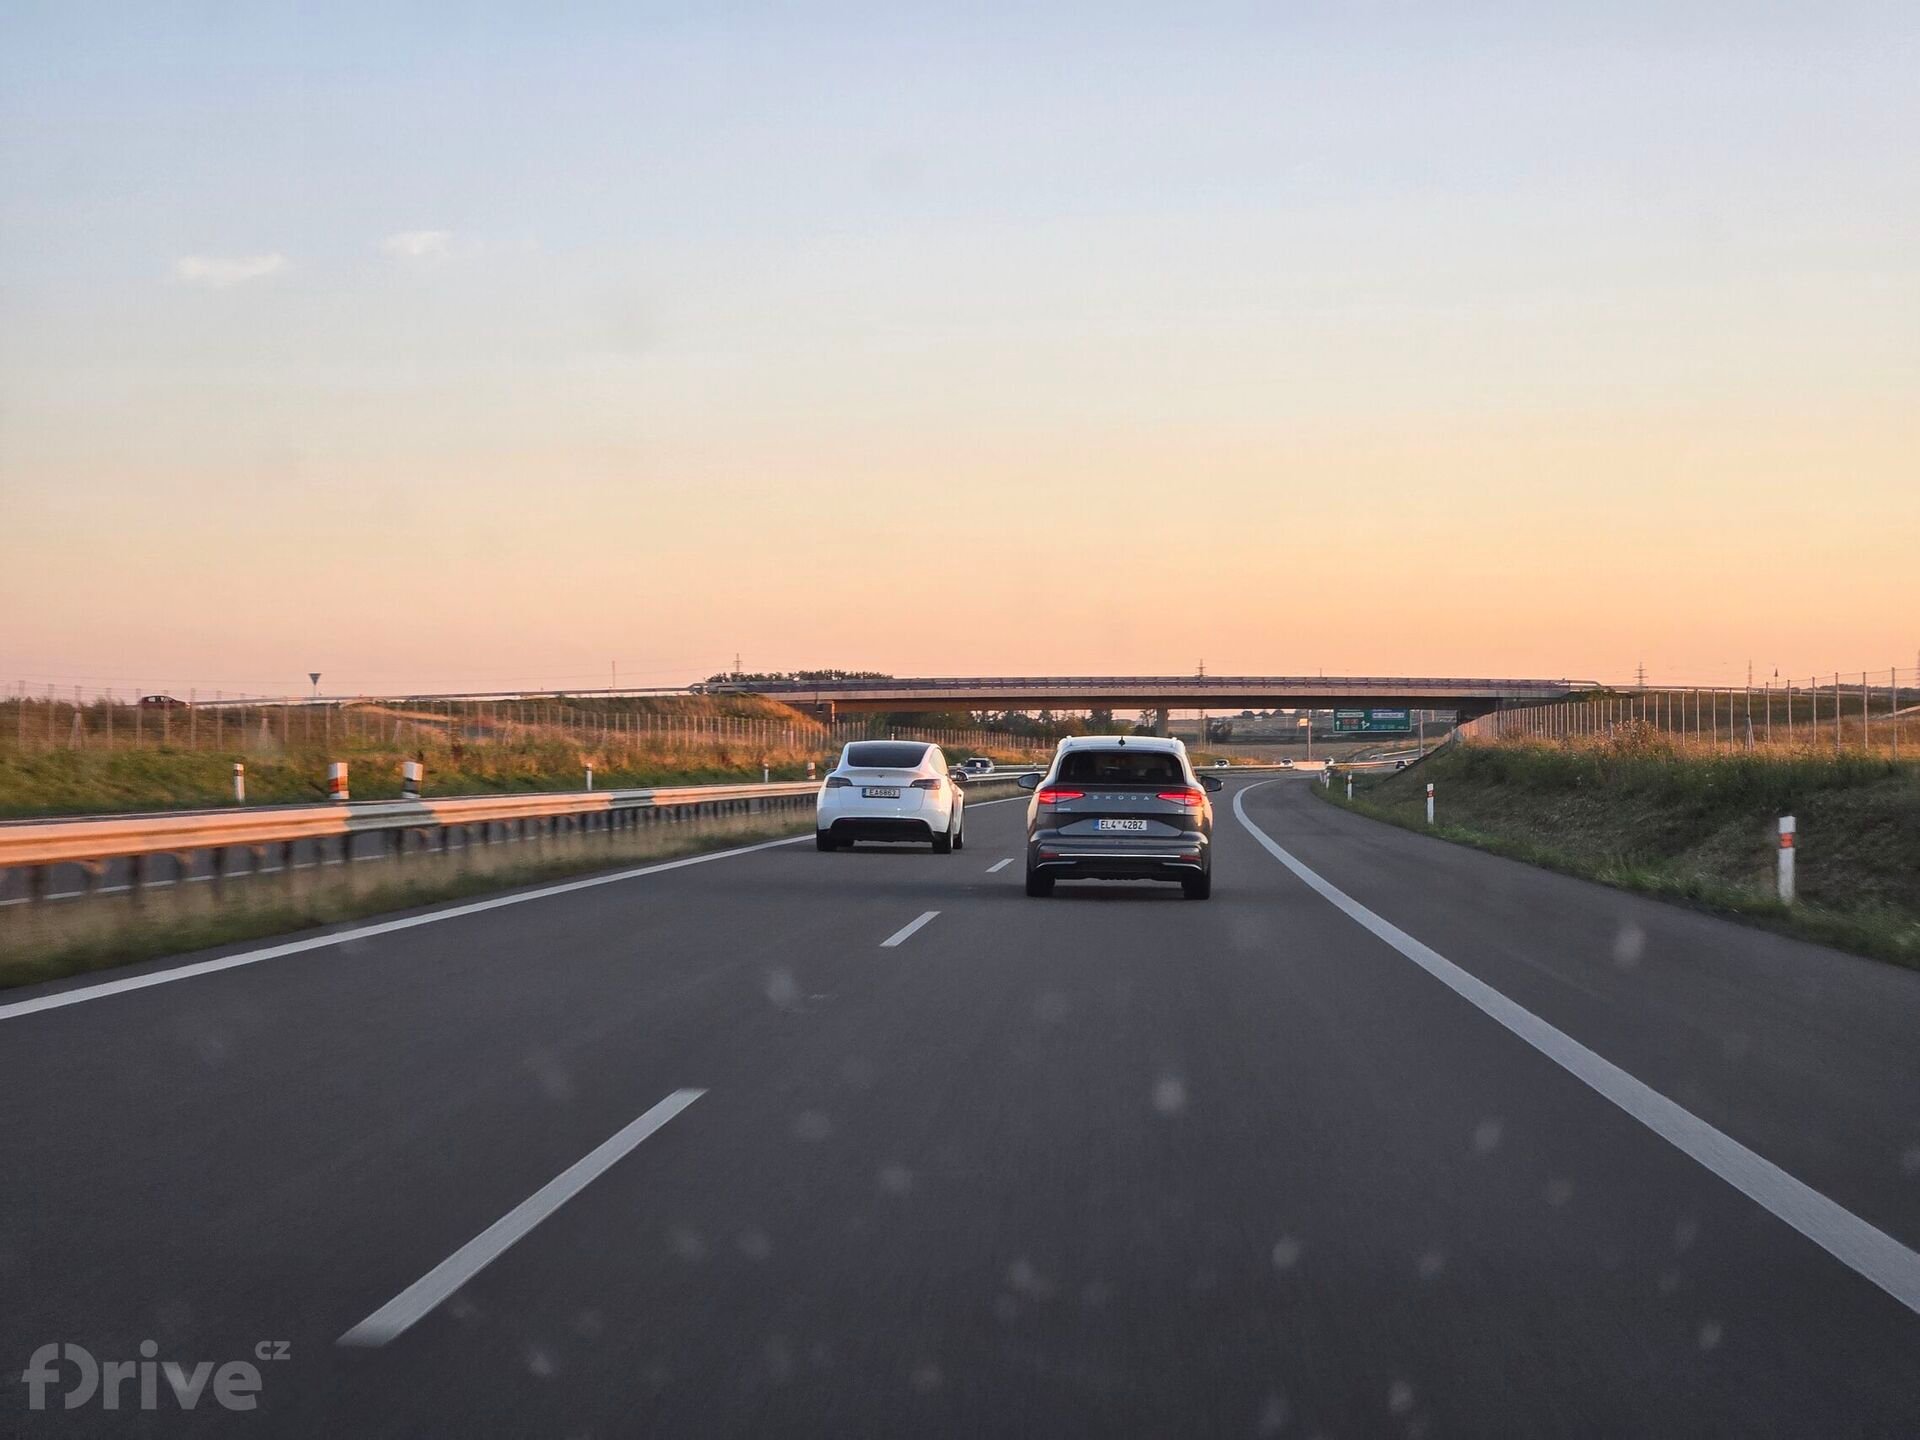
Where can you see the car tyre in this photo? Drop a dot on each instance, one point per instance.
(943, 843)
(1198, 887)
(823, 840)
(960, 835)
(1039, 886)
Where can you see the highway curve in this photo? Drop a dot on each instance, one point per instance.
(1394, 1139)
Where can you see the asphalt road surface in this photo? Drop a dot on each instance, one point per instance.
(1389, 1138)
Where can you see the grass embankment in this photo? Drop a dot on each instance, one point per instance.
(51, 941)
(1690, 828)
(89, 782)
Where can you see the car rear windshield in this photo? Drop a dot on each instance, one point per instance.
(885, 755)
(1122, 767)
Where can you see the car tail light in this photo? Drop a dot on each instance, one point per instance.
(834, 782)
(1053, 795)
(1193, 798)
(927, 784)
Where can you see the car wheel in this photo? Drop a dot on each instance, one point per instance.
(960, 835)
(823, 840)
(1198, 887)
(1039, 886)
(943, 843)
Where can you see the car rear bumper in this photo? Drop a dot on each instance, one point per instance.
(1067, 857)
(878, 827)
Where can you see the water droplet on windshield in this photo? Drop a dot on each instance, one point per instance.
(1487, 1135)
(1628, 945)
(1170, 1095)
(812, 1125)
(1286, 1252)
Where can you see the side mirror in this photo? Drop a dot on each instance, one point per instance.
(1212, 782)
(1029, 782)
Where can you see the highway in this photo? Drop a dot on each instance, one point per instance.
(1390, 1138)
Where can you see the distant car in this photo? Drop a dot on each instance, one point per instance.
(1220, 764)
(1120, 808)
(1399, 764)
(161, 702)
(890, 790)
(1286, 764)
(977, 765)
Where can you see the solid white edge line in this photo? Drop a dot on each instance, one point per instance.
(999, 865)
(905, 931)
(399, 1314)
(363, 932)
(1866, 1250)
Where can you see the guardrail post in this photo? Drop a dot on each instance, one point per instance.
(1788, 826)
(239, 782)
(217, 867)
(1429, 802)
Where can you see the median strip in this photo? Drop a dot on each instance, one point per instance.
(906, 931)
(412, 1304)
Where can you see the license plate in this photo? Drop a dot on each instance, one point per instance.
(881, 792)
(1119, 824)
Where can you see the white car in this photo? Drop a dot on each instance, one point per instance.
(1286, 763)
(890, 790)
(978, 765)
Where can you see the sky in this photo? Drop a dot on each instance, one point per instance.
(471, 346)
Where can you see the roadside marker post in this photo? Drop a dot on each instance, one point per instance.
(1429, 802)
(1349, 785)
(239, 782)
(1788, 827)
(412, 772)
(589, 777)
(337, 781)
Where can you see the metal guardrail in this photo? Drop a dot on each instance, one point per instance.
(33, 846)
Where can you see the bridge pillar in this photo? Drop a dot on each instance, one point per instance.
(1162, 720)
(821, 710)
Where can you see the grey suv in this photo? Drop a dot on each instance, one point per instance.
(1120, 808)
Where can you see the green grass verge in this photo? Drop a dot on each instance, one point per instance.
(62, 938)
(1696, 830)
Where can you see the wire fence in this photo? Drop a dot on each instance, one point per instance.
(38, 723)
(1865, 713)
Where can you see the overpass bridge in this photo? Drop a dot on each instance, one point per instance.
(1162, 693)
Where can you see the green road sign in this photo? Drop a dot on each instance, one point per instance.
(1372, 722)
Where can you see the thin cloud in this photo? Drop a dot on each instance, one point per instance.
(418, 244)
(218, 272)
